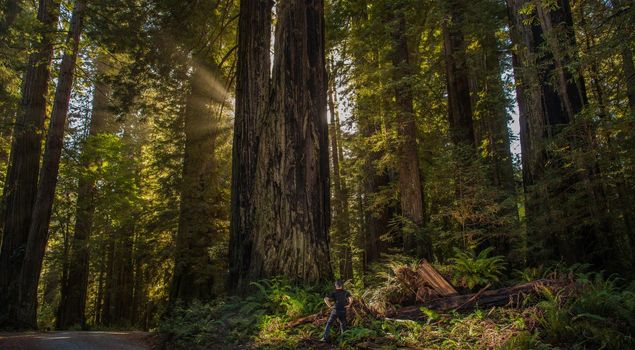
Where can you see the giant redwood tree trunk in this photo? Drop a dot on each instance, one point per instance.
(21, 183)
(290, 194)
(74, 289)
(39, 229)
(196, 233)
(252, 104)
(410, 188)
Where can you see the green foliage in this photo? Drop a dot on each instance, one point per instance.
(601, 316)
(471, 270)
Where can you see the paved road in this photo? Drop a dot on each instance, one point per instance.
(73, 341)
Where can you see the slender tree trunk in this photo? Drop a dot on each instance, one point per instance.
(252, 98)
(21, 184)
(74, 289)
(39, 229)
(292, 181)
(629, 76)
(410, 188)
(340, 218)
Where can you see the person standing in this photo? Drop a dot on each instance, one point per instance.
(339, 301)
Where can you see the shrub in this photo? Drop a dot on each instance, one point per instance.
(472, 270)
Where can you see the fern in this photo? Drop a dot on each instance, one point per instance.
(472, 270)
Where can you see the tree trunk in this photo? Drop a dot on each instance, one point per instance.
(341, 218)
(21, 184)
(459, 103)
(196, 232)
(39, 229)
(629, 76)
(292, 181)
(74, 289)
(410, 189)
(252, 98)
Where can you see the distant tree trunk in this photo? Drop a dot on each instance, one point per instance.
(493, 142)
(252, 98)
(74, 289)
(21, 183)
(457, 77)
(292, 179)
(39, 229)
(410, 188)
(196, 232)
(562, 95)
(497, 130)
(341, 217)
(629, 76)
(109, 281)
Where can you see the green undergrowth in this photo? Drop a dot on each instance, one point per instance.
(593, 312)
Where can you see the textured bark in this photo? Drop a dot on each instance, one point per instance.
(21, 184)
(410, 189)
(196, 233)
(252, 98)
(40, 220)
(457, 77)
(74, 288)
(292, 181)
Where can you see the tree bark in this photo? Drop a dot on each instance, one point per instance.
(252, 98)
(292, 198)
(74, 289)
(196, 233)
(40, 220)
(459, 102)
(410, 188)
(22, 176)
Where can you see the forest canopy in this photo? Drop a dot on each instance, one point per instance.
(161, 155)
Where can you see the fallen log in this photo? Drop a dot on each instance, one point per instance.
(488, 298)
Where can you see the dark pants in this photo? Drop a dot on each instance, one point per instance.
(335, 314)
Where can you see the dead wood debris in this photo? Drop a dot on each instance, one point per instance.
(432, 291)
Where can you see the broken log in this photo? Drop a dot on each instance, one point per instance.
(489, 298)
(439, 284)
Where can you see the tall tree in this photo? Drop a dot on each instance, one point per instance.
(40, 220)
(291, 191)
(75, 287)
(457, 76)
(21, 184)
(410, 188)
(341, 218)
(192, 278)
(252, 96)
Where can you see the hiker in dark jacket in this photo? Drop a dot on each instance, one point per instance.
(339, 300)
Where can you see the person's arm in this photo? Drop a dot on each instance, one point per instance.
(328, 302)
(350, 300)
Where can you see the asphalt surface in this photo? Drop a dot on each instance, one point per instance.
(73, 341)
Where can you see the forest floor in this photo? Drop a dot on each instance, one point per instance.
(74, 341)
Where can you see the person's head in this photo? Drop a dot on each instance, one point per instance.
(339, 284)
